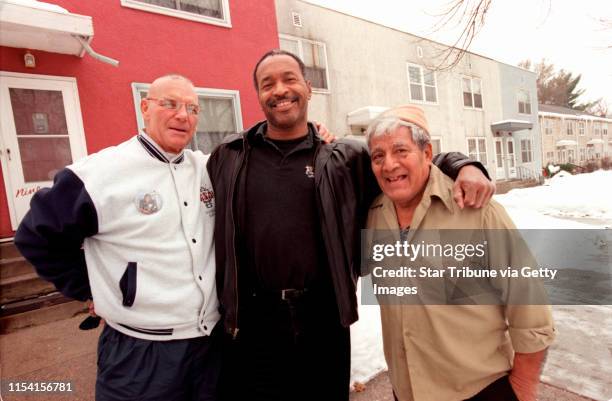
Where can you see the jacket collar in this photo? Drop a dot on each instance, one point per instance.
(155, 151)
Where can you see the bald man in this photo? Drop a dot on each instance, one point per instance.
(127, 227)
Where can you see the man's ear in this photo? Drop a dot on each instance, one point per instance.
(428, 152)
(144, 106)
(309, 89)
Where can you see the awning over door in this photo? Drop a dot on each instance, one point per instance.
(364, 115)
(511, 125)
(36, 25)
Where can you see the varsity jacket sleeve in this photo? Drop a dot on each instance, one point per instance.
(450, 163)
(51, 234)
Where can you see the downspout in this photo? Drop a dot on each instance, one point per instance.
(93, 54)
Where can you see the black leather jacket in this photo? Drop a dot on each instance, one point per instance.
(345, 188)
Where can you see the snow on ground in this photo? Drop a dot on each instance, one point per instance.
(580, 360)
(583, 196)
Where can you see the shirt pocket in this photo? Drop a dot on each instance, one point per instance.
(127, 284)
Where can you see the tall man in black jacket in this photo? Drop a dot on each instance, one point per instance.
(287, 235)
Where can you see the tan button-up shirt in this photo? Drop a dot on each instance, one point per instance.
(452, 352)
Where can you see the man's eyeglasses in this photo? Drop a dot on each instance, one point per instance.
(169, 104)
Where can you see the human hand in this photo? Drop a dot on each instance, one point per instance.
(324, 133)
(472, 188)
(91, 308)
(525, 374)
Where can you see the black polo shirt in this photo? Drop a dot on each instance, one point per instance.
(279, 227)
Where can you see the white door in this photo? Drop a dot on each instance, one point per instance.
(500, 169)
(41, 132)
(511, 158)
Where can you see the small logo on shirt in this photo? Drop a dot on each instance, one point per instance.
(148, 202)
(207, 197)
(309, 172)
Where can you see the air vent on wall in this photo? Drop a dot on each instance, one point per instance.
(297, 19)
(419, 52)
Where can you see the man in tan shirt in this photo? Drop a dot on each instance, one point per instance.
(439, 352)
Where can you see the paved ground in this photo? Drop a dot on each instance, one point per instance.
(379, 389)
(58, 351)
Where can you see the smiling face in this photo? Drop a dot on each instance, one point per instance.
(400, 166)
(172, 130)
(283, 95)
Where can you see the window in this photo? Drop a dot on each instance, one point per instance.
(477, 149)
(526, 150)
(547, 126)
(219, 115)
(570, 155)
(569, 127)
(561, 156)
(524, 102)
(472, 92)
(314, 56)
(550, 156)
(604, 129)
(422, 84)
(596, 129)
(214, 12)
(582, 154)
(581, 128)
(436, 146)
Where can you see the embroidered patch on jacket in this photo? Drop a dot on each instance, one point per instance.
(207, 197)
(309, 171)
(148, 202)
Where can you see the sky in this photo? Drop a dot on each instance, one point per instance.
(565, 32)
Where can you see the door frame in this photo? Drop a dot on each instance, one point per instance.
(76, 131)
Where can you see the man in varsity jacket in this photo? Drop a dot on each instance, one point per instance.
(132, 227)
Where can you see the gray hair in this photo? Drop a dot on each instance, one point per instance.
(387, 124)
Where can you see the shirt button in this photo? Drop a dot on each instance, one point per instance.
(193, 240)
(200, 277)
(205, 328)
(185, 203)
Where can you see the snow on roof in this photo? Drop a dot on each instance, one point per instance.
(38, 5)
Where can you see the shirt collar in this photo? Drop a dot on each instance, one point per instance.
(260, 135)
(157, 152)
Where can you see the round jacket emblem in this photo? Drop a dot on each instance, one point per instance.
(148, 202)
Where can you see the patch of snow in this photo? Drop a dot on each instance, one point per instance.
(40, 5)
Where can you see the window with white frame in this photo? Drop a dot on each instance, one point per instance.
(550, 157)
(569, 127)
(548, 126)
(581, 128)
(561, 156)
(582, 154)
(604, 128)
(524, 102)
(570, 155)
(422, 84)
(526, 150)
(472, 92)
(477, 149)
(436, 146)
(314, 56)
(219, 115)
(596, 128)
(214, 12)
